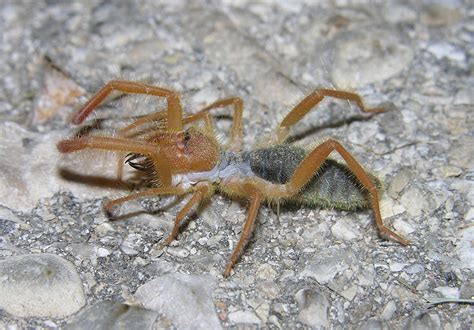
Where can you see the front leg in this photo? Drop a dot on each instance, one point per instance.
(124, 146)
(174, 112)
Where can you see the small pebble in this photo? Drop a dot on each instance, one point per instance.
(244, 317)
(344, 230)
(313, 308)
(447, 292)
(389, 310)
(112, 315)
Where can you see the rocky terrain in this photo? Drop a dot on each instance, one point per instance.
(64, 263)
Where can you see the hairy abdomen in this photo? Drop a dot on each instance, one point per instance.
(333, 186)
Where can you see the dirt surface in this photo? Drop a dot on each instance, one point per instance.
(64, 262)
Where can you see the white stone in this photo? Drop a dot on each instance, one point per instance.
(366, 275)
(389, 208)
(345, 230)
(34, 172)
(262, 311)
(266, 272)
(399, 182)
(102, 252)
(363, 59)
(350, 293)
(206, 96)
(313, 307)
(104, 229)
(325, 266)
(41, 285)
(7, 214)
(185, 299)
(448, 292)
(178, 252)
(246, 317)
(397, 266)
(388, 311)
(469, 215)
(424, 321)
(398, 13)
(464, 97)
(414, 269)
(465, 248)
(447, 50)
(112, 315)
(450, 171)
(416, 201)
(403, 227)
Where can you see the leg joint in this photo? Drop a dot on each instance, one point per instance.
(333, 144)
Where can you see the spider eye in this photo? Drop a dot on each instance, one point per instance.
(187, 136)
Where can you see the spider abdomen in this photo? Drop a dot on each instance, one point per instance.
(333, 186)
(276, 164)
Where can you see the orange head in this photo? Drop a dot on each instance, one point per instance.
(191, 150)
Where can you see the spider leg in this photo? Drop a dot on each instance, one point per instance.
(311, 164)
(200, 194)
(310, 101)
(155, 116)
(236, 138)
(150, 192)
(121, 145)
(255, 202)
(174, 111)
(313, 161)
(236, 133)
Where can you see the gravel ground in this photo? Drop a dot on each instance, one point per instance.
(63, 263)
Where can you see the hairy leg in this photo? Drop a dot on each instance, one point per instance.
(106, 143)
(305, 171)
(236, 133)
(174, 111)
(200, 194)
(311, 164)
(121, 145)
(255, 202)
(150, 192)
(152, 117)
(310, 101)
(203, 114)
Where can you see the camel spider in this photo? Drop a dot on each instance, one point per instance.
(182, 159)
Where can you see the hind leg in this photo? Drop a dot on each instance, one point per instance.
(311, 164)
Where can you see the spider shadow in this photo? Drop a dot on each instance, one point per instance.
(92, 180)
(332, 125)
